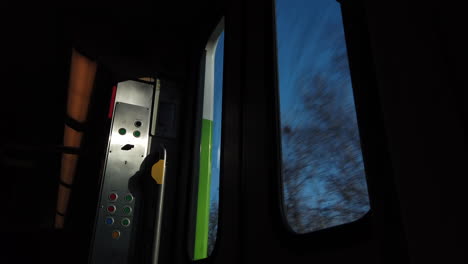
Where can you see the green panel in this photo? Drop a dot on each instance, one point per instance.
(203, 202)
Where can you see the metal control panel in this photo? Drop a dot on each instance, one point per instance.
(129, 138)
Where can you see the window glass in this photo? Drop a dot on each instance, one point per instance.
(216, 145)
(323, 176)
(208, 184)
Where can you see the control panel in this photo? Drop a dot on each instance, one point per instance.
(129, 139)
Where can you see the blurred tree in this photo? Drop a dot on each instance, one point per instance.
(213, 226)
(323, 174)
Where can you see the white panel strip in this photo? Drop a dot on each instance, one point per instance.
(210, 48)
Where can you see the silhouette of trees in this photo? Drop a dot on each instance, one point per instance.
(213, 225)
(323, 175)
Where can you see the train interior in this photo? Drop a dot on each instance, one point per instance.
(406, 64)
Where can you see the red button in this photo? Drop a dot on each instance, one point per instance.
(111, 208)
(112, 196)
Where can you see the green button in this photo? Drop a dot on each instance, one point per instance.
(128, 198)
(137, 133)
(127, 210)
(122, 131)
(125, 222)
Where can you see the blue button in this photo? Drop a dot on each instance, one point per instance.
(109, 220)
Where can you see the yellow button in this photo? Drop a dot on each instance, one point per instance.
(115, 234)
(157, 172)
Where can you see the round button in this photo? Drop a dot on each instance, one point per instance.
(125, 222)
(128, 198)
(115, 234)
(122, 131)
(136, 133)
(111, 209)
(109, 220)
(138, 123)
(127, 210)
(113, 197)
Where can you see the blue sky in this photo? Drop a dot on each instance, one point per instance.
(310, 40)
(308, 34)
(217, 112)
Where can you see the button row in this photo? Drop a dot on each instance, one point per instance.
(125, 222)
(123, 131)
(125, 210)
(114, 196)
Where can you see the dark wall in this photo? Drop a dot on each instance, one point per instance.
(420, 55)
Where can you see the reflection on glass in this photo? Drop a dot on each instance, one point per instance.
(324, 183)
(216, 144)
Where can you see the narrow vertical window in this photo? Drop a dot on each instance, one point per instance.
(216, 145)
(210, 144)
(324, 183)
